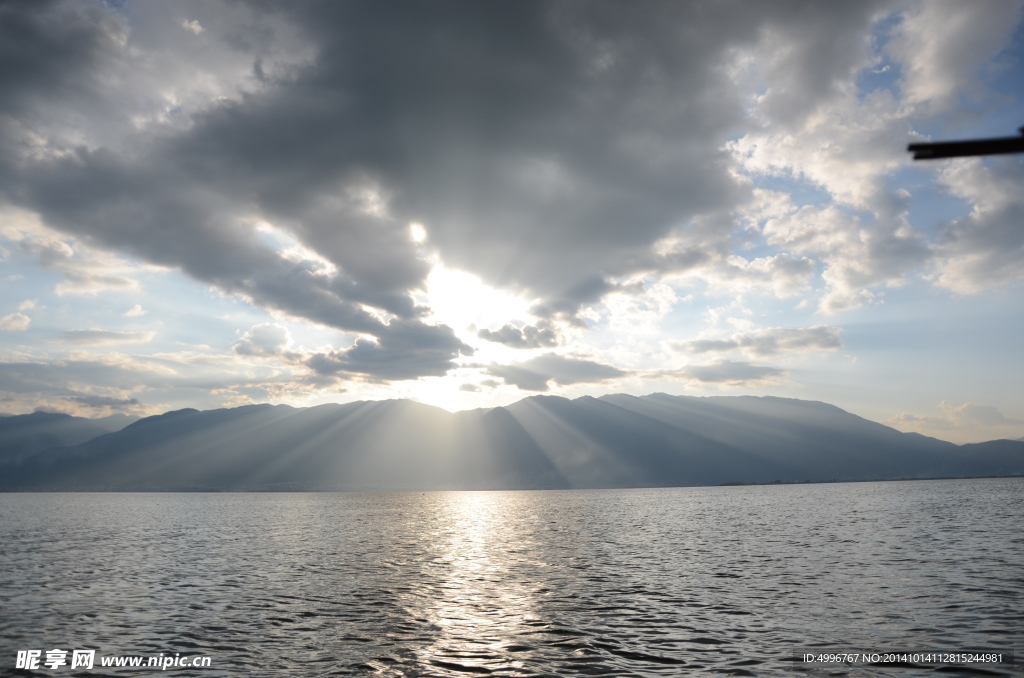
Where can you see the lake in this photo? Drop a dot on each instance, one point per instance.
(640, 582)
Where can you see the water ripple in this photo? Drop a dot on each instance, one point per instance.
(720, 581)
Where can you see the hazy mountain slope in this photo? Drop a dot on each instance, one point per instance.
(359, 446)
(26, 434)
(799, 436)
(998, 457)
(539, 442)
(116, 422)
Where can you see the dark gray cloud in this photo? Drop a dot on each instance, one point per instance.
(731, 373)
(407, 351)
(529, 336)
(50, 49)
(161, 203)
(534, 374)
(103, 401)
(545, 146)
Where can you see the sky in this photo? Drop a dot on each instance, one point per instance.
(212, 204)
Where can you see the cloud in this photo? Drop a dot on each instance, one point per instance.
(265, 339)
(985, 249)
(780, 275)
(851, 141)
(85, 270)
(472, 388)
(804, 57)
(534, 374)
(165, 380)
(49, 378)
(730, 373)
(784, 274)
(531, 128)
(408, 351)
(52, 43)
(942, 45)
(848, 142)
(27, 305)
(82, 282)
(967, 415)
(104, 337)
(96, 401)
(542, 146)
(134, 312)
(858, 253)
(529, 336)
(15, 322)
(770, 341)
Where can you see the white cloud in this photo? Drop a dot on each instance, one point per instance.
(86, 270)
(639, 310)
(965, 420)
(769, 341)
(970, 413)
(986, 248)
(848, 143)
(943, 43)
(15, 322)
(779, 275)
(134, 312)
(857, 254)
(265, 339)
(85, 282)
(845, 147)
(104, 337)
(847, 155)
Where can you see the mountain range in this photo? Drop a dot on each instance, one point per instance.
(541, 442)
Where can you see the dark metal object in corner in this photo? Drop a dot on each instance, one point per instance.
(958, 149)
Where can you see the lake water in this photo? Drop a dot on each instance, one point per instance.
(647, 582)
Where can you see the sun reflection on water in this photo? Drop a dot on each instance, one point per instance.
(478, 603)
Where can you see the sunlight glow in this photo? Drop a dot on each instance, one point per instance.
(417, 232)
(461, 300)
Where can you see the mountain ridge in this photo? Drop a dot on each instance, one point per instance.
(540, 442)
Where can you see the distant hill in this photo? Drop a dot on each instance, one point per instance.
(539, 442)
(23, 435)
(116, 422)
